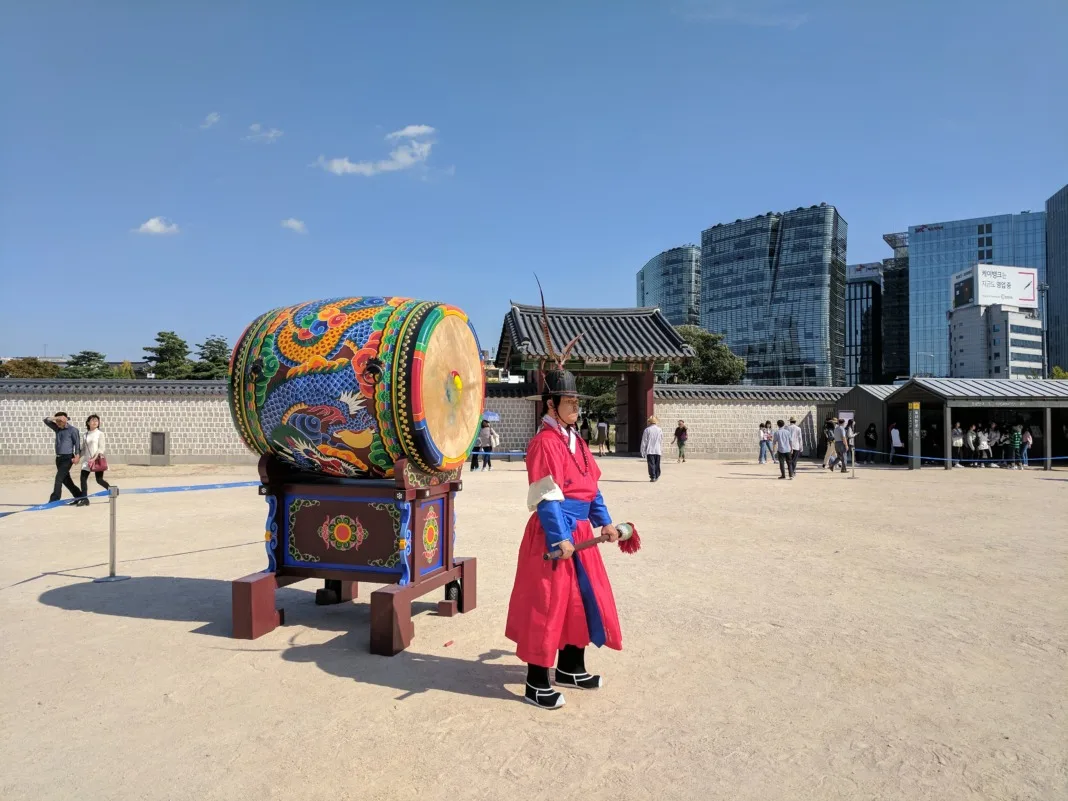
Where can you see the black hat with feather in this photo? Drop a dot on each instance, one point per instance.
(558, 381)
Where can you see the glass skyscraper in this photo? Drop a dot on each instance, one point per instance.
(774, 286)
(896, 308)
(938, 250)
(1057, 278)
(864, 322)
(672, 281)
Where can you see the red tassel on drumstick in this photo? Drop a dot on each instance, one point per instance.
(629, 541)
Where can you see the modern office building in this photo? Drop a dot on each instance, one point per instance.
(774, 286)
(864, 323)
(672, 282)
(995, 339)
(896, 308)
(1056, 316)
(937, 251)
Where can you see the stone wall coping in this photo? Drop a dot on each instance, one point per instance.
(110, 386)
(746, 392)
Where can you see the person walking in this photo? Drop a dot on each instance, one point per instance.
(93, 459)
(871, 441)
(68, 449)
(1028, 441)
(765, 441)
(679, 440)
(783, 448)
(602, 436)
(1016, 438)
(487, 441)
(796, 444)
(653, 448)
(851, 441)
(839, 436)
(896, 445)
(957, 442)
(983, 447)
(828, 435)
(970, 443)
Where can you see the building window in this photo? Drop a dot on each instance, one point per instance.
(980, 256)
(995, 328)
(1026, 357)
(997, 369)
(989, 228)
(980, 228)
(997, 340)
(1025, 329)
(1025, 343)
(990, 241)
(997, 355)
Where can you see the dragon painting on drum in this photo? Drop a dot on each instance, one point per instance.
(348, 386)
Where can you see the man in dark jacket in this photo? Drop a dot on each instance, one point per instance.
(68, 448)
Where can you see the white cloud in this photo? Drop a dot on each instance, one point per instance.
(403, 157)
(257, 133)
(293, 224)
(410, 132)
(210, 120)
(158, 226)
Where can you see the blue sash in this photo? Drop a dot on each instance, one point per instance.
(574, 511)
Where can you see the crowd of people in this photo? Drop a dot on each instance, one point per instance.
(978, 445)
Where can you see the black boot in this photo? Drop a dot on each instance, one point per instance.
(571, 670)
(539, 691)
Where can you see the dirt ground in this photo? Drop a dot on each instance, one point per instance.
(898, 636)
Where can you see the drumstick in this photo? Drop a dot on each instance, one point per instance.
(581, 546)
(629, 541)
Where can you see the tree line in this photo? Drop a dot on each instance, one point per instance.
(168, 359)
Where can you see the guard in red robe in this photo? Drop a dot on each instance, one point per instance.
(561, 605)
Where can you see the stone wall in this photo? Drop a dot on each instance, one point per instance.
(195, 414)
(722, 421)
(197, 419)
(730, 429)
(517, 421)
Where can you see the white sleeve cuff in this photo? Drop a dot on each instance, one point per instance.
(544, 489)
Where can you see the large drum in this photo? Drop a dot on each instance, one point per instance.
(348, 386)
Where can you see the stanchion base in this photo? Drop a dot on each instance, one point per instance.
(106, 579)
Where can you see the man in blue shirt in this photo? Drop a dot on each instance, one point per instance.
(68, 448)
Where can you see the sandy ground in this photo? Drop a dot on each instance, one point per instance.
(897, 636)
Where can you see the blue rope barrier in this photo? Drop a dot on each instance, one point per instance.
(961, 460)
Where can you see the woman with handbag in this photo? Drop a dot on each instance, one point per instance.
(93, 459)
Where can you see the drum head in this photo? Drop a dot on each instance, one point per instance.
(452, 389)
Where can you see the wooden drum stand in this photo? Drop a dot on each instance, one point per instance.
(399, 532)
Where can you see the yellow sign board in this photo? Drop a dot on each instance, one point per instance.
(914, 405)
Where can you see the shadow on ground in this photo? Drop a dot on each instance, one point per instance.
(207, 601)
(412, 673)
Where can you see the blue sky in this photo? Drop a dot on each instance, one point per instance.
(574, 138)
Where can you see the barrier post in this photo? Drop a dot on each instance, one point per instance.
(113, 496)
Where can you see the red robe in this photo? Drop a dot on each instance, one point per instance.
(561, 601)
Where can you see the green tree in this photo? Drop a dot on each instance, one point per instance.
(30, 367)
(1059, 372)
(124, 371)
(603, 400)
(169, 356)
(213, 356)
(86, 364)
(714, 362)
